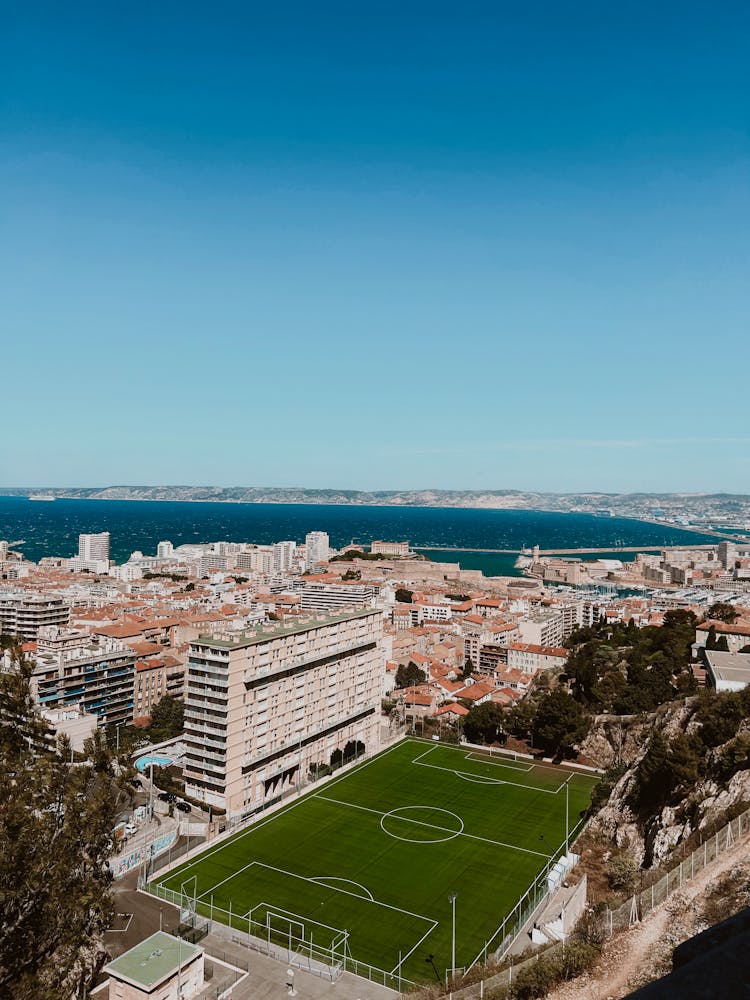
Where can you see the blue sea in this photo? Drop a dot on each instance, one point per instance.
(51, 529)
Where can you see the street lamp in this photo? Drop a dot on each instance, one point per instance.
(452, 901)
(291, 991)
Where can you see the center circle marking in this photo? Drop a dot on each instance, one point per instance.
(440, 834)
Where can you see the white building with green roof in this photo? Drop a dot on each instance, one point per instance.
(160, 968)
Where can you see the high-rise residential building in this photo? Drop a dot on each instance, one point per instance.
(165, 550)
(94, 548)
(262, 707)
(283, 555)
(93, 553)
(544, 628)
(24, 614)
(258, 559)
(96, 675)
(317, 548)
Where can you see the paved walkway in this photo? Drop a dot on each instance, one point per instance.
(268, 977)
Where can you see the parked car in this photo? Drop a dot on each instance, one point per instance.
(136, 782)
(184, 807)
(130, 829)
(167, 797)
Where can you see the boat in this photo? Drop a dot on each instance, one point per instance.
(41, 496)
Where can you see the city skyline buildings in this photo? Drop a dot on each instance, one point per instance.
(538, 217)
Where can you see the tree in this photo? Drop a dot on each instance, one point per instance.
(468, 668)
(354, 748)
(167, 718)
(665, 767)
(520, 719)
(711, 637)
(409, 675)
(404, 596)
(56, 835)
(723, 612)
(622, 872)
(484, 724)
(722, 644)
(560, 723)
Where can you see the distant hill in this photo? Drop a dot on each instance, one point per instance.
(622, 504)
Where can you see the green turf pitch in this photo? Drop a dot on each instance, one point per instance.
(377, 852)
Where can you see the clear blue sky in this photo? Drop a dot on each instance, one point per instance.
(376, 245)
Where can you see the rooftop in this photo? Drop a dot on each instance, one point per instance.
(283, 629)
(729, 667)
(153, 960)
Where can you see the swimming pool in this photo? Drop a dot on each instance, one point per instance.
(158, 760)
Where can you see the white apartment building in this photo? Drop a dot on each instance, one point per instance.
(23, 614)
(258, 559)
(529, 658)
(334, 597)
(547, 628)
(93, 554)
(96, 677)
(317, 548)
(94, 548)
(263, 706)
(283, 556)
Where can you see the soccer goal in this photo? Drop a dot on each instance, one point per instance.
(188, 899)
(303, 942)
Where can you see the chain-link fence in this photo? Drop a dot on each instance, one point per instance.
(633, 910)
(705, 854)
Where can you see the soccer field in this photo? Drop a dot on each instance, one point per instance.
(377, 852)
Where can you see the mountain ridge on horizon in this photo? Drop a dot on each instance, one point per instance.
(501, 498)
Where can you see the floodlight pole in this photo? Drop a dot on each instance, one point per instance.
(452, 901)
(567, 826)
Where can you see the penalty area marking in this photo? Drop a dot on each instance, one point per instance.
(468, 776)
(316, 881)
(523, 766)
(325, 879)
(479, 779)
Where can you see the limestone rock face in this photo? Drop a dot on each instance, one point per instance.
(651, 839)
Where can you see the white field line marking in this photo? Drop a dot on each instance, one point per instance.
(498, 781)
(282, 812)
(479, 780)
(404, 957)
(471, 836)
(325, 879)
(474, 756)
(393, 814)
(293, 918)
(304, 878)
(501, 763)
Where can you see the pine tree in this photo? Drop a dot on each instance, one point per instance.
(56, 835)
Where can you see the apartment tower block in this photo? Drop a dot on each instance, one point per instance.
(263, 706)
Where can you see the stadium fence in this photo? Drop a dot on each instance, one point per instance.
(284, 943)
(633, 910)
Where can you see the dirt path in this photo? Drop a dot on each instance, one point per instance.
(638, 956)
